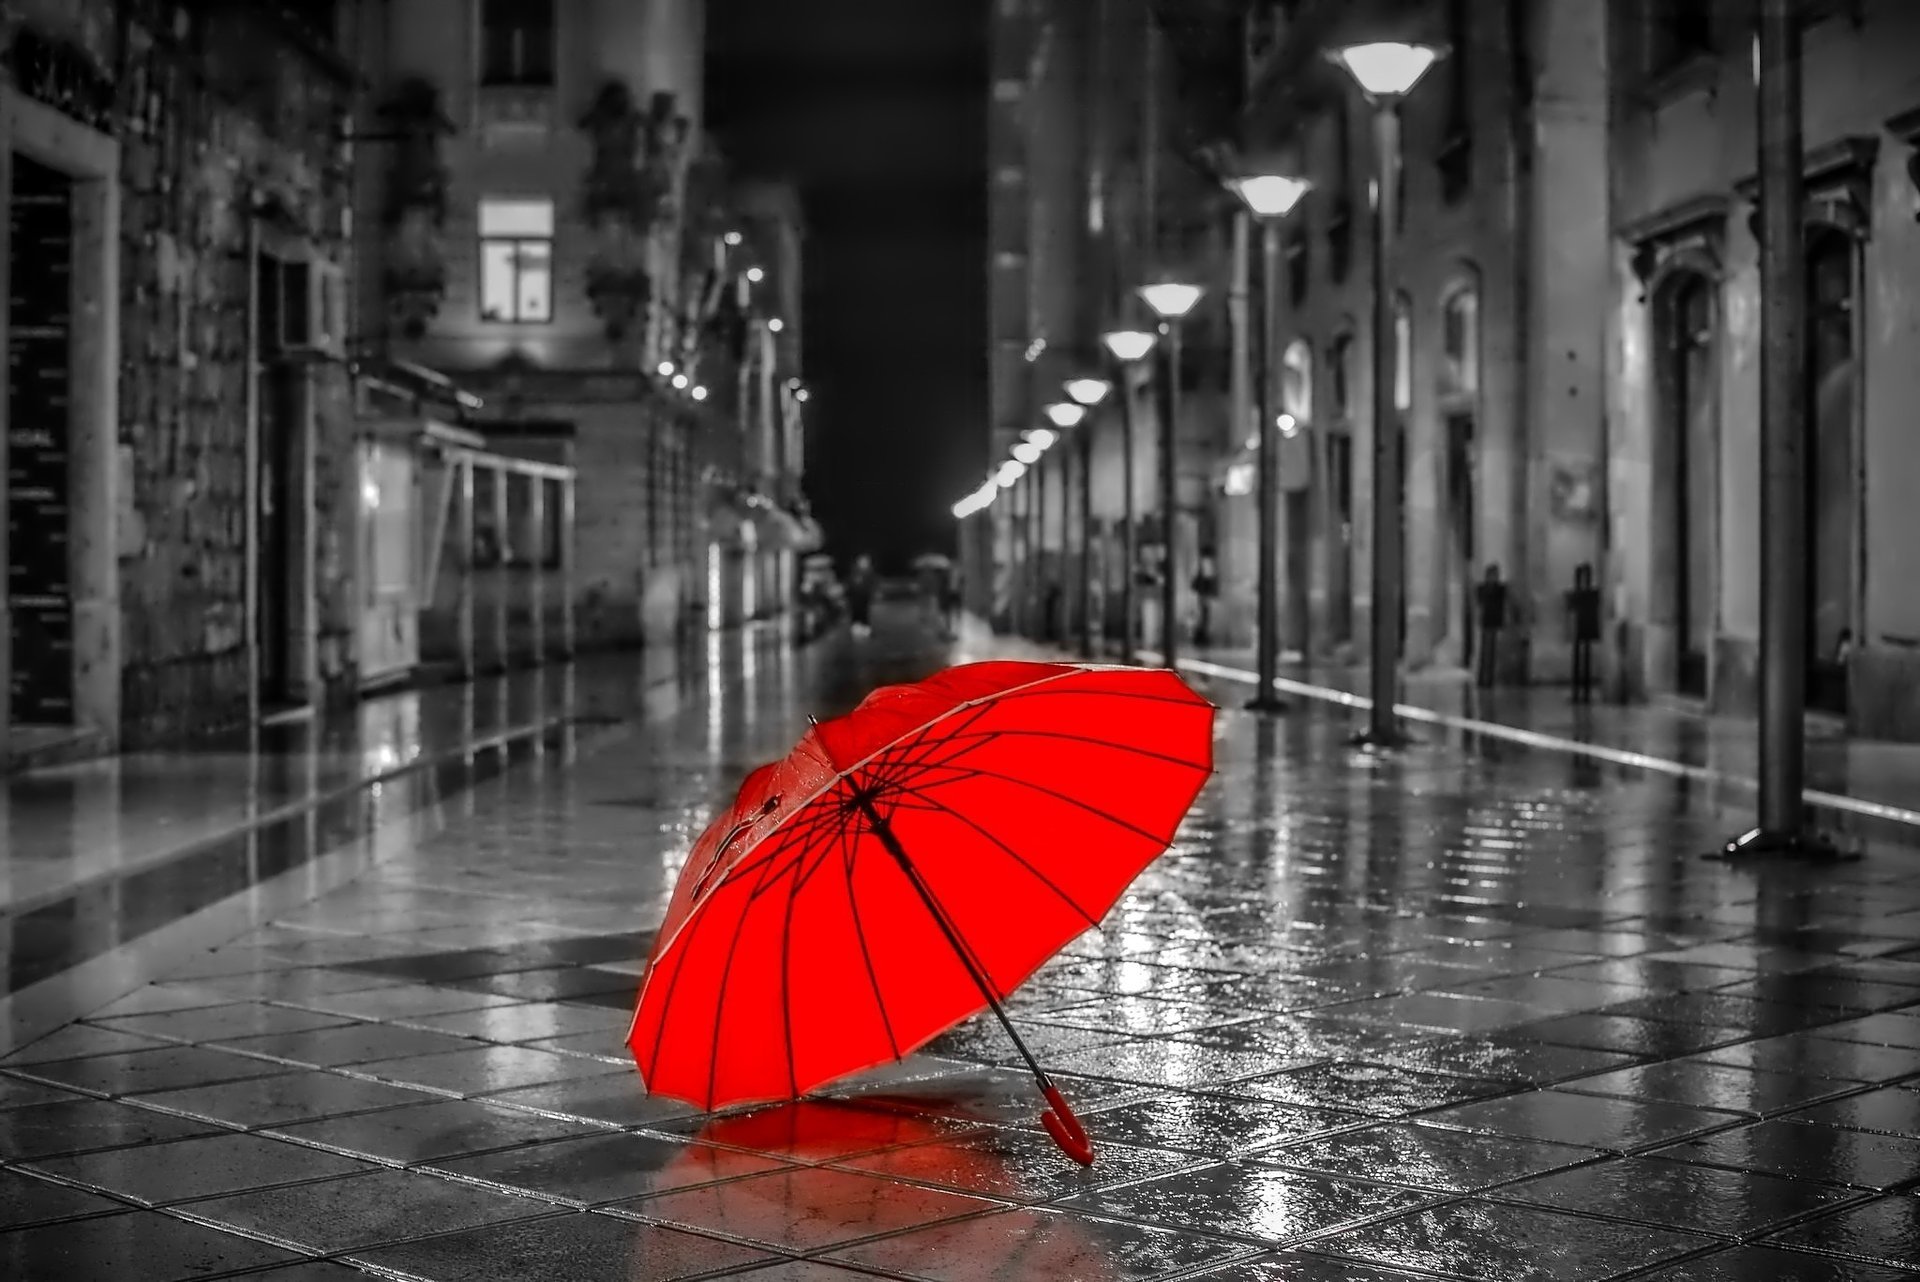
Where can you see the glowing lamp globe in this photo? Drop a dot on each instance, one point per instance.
(1269, 195)
(1044, 437)
(1170, 300)
(1027, 452)
(1010, 471)
(1129, 345)
(1088, 391)
(1066, 413)
(1387, 69)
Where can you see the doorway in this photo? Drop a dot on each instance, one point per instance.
(280, 407)
(40, 337)
(1690, 410)
(1831, 493)
(1460, 528)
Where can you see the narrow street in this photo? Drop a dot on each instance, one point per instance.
(1478, 1010)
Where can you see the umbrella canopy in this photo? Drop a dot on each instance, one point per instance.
(932, 561)
(908, 865)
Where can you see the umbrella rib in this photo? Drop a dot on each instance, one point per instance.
(726, 976)
(975, 739)
(1039, 689)
(965, 773)
(1015, 855)
(860, 934)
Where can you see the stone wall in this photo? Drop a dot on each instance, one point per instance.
(215, 120)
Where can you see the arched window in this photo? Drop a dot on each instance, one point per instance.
(1296, 381)
(1340, 377)
(1402, 354)
(1460, 343)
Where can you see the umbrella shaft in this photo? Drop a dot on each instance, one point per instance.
(884, 831)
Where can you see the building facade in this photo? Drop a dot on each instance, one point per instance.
(179, 502)
(558, 236)
(1574, 286)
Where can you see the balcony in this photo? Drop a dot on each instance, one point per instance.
(515, 115)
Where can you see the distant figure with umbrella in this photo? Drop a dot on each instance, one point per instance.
(860, 590)
(1583, 610)
(1490, 602)
(933, 569)
(950, 602)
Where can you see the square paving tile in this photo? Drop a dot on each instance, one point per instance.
(1592, 1121)
(602, 1044)
(150, 999)
(218, 1023)
(133, 1073)
(1016, 1165)
(1495, 1241)
(286, 1097)
(1034, 1243)
(1381, 1090)
(1803, 1150)
(609, 1167)
(363, 1211)
(1765, 1264)
(1891, 1110)
(159, 1174)
(26, 1201)
(1499, 1058)
(803, 1211)
(399, 1003)
(1884, 1231)
(576, 1247)
(78, 1041)
(485, 1069)
(1898, 1028)
(986, 1094)
(527, 1022)
(348, 1043)
(1681, 1195)
(1427, 1157)
(1168, 1061)
(616, 1099)
(1821, 1057)
(423, 1132)
(79, 1125)
(1259, 1202)
(1300, 1266)
(1704, 1084)
(18, 1092)
(138, 1244)
(816, 1131)
(1213, 1125)
(1628, 1034)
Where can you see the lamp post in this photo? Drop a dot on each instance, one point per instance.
(1127, 347)
(1385, 73)
(1170, 301)
(1269, 198)
(1087, 392)
(1064, 415)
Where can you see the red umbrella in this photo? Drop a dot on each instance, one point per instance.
(908, 865)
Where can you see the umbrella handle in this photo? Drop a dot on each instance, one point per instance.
(1065, 1127)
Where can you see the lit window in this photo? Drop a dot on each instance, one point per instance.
(1296, 381)
(516, 261)
(1402, 356)
(1460, 374)
(516, 42)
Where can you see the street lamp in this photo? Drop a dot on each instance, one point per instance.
(1170, 301)
(1044, 437)
(1127, 347)
(776, 324)
(1269, 198)
(1028, 452)
(1088, 392)
(1385, 72)
(1064, 414)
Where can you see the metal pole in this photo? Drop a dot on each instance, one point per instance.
(1169, 497)
(1783, 410)
(1038, 616)
(1129, 550)
(1383, 728)
(1268, 590)
(1086, 537)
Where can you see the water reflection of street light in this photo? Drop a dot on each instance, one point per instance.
(1170, 301)
(1385, 72)
(1127, 347)
(1269, 197)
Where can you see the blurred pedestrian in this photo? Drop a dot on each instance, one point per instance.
(860, 590)
(1206, 590)
(950, 602)
(1490, 603)
(1583, 613)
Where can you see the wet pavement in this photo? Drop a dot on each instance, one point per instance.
(1477, 1010)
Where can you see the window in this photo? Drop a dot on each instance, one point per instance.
(516, 42)
(1677, 31)
(1340, 372)
(1402, 355)
(516, 261)
(1296, 381)
(1460, 343)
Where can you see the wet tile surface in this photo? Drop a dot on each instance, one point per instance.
(1453, 1013)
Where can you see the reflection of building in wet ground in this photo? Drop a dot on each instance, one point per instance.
(1457, 1012)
